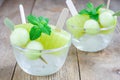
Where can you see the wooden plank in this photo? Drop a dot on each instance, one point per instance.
(103, 65)
(70, 71)
(7, 60)
(49, 8)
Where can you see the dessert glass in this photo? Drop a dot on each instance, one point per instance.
(92, 42)
(55, 59)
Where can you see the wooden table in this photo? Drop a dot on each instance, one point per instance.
(103, 65)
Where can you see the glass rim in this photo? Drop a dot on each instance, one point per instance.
(101, 29)
(46, 50)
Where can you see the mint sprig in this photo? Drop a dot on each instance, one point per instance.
(40, 26)
(91, 10)
(116, 13)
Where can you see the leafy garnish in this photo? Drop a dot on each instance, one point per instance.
(35, 32)
(91, 10)
(116, 13)
(40, 26)
(9, 24)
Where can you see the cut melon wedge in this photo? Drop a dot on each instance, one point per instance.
(75, 25)
(55, 40)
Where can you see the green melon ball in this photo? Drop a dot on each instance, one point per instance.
(75, 25)
(91, 27)
(107, 19)
(19, 37)
(101, 10)
(26, 26)
(31, 54)
(34, 45)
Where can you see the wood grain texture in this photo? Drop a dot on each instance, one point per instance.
(49, 8)
(70, 70)
(103, 65)
(7, 61)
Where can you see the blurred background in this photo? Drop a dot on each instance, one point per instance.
(10, 8)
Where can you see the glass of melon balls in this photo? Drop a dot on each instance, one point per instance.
(92, 28)
(38, 47)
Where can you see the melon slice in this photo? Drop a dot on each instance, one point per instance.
(55, 40)
(75, 25)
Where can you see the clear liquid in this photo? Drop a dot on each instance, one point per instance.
(38, 67)
(92, 43)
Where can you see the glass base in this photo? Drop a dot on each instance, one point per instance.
(92, 43)
(38, 67)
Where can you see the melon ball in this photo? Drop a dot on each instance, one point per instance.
(107, 19)
(91, 27)
(101, 10)
(34, 45)
(19, 37)
(32, 54)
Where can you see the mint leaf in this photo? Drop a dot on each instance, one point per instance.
(47, 30)
(91, 11)
(33, 20)
(98, 7)
(116, 13)
(90, 6)
(9, 23)
(41, 18)
(40, 26)
(84, 11)
(94, 12)
(95, 17)
(35, 32)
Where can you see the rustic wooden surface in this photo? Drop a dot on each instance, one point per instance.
(7, 60)
(103, 65)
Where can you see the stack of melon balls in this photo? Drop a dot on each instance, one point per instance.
(20, 37)
(81, 24)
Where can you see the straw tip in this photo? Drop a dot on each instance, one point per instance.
(20, 5)
(68, 0)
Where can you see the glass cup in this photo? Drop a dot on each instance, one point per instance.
(55, 59)
(91, 42)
